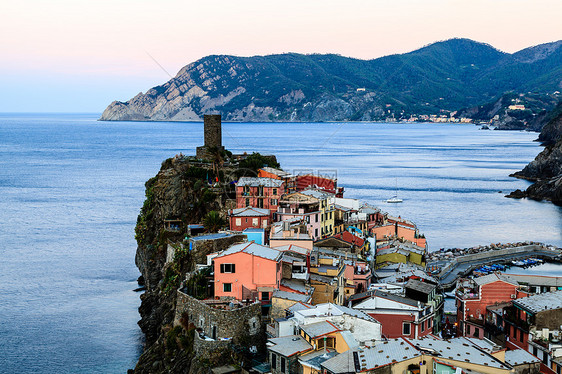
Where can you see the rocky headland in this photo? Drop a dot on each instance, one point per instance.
(179, 195)
(546, 169)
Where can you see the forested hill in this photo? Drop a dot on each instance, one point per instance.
(446, 75)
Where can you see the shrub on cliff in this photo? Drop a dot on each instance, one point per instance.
(213, 221)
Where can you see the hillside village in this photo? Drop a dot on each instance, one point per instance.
(309, 281)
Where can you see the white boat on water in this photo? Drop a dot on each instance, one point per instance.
(394, 199)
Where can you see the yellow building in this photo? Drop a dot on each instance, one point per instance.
(327, 211)
(400, 253)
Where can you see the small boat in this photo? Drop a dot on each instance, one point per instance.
(394, 200)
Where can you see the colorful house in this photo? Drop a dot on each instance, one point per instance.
(400, 316)
(247, 271)
(302, 207)
(248, 217)
(263, 193)
(474, 295)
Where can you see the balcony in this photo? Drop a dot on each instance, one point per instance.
(467, 294)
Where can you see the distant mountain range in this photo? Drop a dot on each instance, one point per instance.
(444, 76)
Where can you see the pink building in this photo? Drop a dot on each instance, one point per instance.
(247, 271)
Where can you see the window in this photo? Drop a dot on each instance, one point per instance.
(521, 336)
(260, 203)
(255, 222)
(247, 202)
(273, 360)
(282, 364)
(406, 328)
(273, 202)
(265, 296)
(316, 217)
(228, 268)
(238, 221)
(423, 326)
(315, 233)
(274, 192)
(227, 287)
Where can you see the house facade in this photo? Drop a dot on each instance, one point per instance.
(248, 217)
(263, 193)
(247, 271)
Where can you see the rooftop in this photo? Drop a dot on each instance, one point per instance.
(249, 212)
(423, 287)
(367, 304)
(278, 172)
(317, 329)
(254, 249)
(219, 235)
(369, 358)
(293, 248)
(292, 296)
(294, 284)
(315, 359)
(259, 181)
(320, 195)
(298, 306)
(519, 357)
(457, 350)
(329, 309)
(540, 302)
(490, 278)
(288, 345)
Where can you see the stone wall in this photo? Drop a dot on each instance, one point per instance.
(533, 368)
(220, 323)
(203, 347)
(550, 319)
(201, 248)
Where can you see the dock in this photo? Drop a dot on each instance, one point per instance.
(461, 266)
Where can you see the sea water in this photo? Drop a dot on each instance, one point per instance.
(71, 189)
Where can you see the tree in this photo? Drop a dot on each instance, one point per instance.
(213, 221)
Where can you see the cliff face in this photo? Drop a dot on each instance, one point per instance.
(180, 193)
(546, 169)
(293, 87)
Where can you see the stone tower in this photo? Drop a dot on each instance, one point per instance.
(212, 133)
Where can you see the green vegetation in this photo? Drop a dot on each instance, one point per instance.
(173, 273)
(257, 161)
(198, 285)
(213, 221)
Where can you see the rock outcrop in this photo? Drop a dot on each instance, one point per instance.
(546, 169)
(179, 193)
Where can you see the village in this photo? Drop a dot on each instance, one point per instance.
(328, 284)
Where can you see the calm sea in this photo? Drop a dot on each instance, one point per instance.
(71, 189)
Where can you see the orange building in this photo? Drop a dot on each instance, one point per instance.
(247, 271)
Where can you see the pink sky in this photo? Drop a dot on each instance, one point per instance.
(92, 52)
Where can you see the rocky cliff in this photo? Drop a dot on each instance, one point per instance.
(180, 193)
(446, 75)
(546, 169)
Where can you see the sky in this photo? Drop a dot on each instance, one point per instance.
(80, 55)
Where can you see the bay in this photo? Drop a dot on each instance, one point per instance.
(71, 188)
